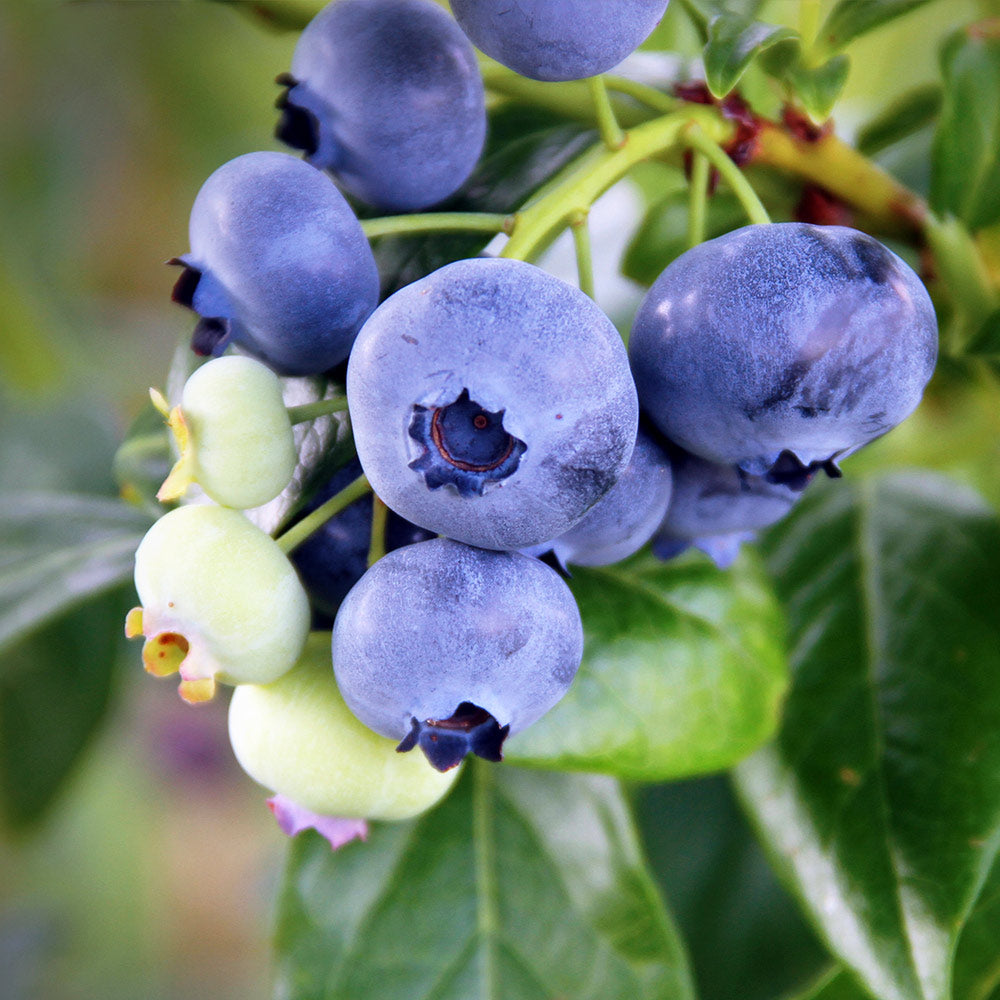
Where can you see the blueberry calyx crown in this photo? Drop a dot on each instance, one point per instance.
(790, 471)
(296, 127)
(445, 742)
(212, 334)
(465, 445)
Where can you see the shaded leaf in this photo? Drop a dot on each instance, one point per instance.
(519, 885)
(851, 19)
(54, 689)
(56, 551)
(965, 163)
(909, 113)
(683, 672)
(987, 339)
(733, 43)
(880, 797)
(977, 959)
(837, 984)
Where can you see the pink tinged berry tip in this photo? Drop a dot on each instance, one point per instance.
(293, 818)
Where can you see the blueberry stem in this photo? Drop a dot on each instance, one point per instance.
(433, 222)
(298, 533)
(698, 202)
(584, 259)
(320, 408)
(642, 92)
(484, 834)
(611, 131)
(380, 520)
(730, 172)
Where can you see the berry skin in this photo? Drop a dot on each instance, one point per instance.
(492, 403)
(278, 265)
(625, 518)
(335, 556)
(219, 601)
(718, 507)
(234, 433)
(786, 344)
(451, 648)
(558, 39)
(387, 96)
(298, 738)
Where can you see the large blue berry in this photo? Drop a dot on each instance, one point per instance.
(386, 94)
(451, 648)
(558, 39)
(625, 518)
(492, 403)
(718, 507)
(278, 265)
(784, 347)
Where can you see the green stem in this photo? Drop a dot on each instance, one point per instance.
(584, 258)
(484, 833)
(596, 170)
(435, 222)
(320, 408)
(730, 173)
(657, 100)
(611, 131)
(298, 533)
(698, 202)
(380, 521)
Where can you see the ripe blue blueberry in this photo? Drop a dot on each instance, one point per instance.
(335, 556)
(452, 648)
(625, 518)
(492, 403)
(558, 39)
(783, 348)
(386, 95)
(718, 507)
(278, 264)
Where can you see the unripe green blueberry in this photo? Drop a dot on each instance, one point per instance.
(219, 601)
(234, 433)
(298, 738)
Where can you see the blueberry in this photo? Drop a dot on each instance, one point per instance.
(558, 39)
(625, 518)
(451, 648)
(386, 95)
(335, 557)
(718, 507)
(278, 265)
(789, 338)
(492, 403)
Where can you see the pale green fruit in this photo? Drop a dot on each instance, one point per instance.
(298, 738)
(220, 600)
(234, 434)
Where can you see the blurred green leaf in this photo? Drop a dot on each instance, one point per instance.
(987, 339)
(518, 885)
(56, 551)
(746, 936)
(662, 236)
(526, 146)
(733, 43)
(683, 672)
(880, 797)
(907, 114)
(54, 689)
(833, 985)
(817, 88)
(851, 19)
(965, 164)
(977, 958)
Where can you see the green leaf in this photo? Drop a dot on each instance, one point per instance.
(683, 672)
(518, 885)
(662, 236)
(54, 690)
(817, 88)
(965, 162)
(835, 984)
(909, 113)
(987, 339)
(56, 551)
(977, 960)
(880, 797)
(733, 43)
(851, 19)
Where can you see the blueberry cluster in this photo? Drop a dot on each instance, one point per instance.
(491, 404)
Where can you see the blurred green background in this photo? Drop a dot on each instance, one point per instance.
(153, 873)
